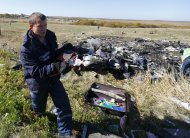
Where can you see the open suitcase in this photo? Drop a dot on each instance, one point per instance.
(110, 99)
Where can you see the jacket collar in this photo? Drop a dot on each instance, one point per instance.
(35, 42)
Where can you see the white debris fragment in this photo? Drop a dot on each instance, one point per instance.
(180, 103)
(184, 118)
(87, 60)
(54, 110)
(94, 42)
(1, 65)
(77, 62)
(171, 49)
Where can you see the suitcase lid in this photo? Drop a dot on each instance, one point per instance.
(98, 90)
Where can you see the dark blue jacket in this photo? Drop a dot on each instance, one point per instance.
(36, 59)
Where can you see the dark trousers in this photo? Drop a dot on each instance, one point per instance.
(61, 102)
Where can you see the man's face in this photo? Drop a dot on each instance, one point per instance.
(39, 28)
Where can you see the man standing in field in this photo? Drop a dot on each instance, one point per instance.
(42, 72)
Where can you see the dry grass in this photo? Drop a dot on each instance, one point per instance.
(152, 99)
(155, 22)
(131, 24)
(13, 35)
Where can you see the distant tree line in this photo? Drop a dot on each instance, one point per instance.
(123, 24)
(6, 15)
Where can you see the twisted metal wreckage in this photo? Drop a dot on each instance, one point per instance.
(123, 58)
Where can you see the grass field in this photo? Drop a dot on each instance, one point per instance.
(75, 33)
(152, 99)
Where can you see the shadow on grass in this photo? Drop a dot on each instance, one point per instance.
(137, 127)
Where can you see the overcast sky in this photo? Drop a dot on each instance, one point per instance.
(175, 10)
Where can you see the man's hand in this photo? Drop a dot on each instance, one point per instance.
(68, 58)
(60, 65)
(67, 47)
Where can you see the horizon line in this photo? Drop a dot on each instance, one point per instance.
(162, 20)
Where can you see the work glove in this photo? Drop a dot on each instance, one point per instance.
(60, 65)
(68, 58)
(66, 47)
(78, 62)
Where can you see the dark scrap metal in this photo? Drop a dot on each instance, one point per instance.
(123, 58)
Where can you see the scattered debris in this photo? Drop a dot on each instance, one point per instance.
(180, 103)
(1, 65)
(173, 133)
(186, 119)
(96, 132)
(99, 135)
(53, 110)
(126, 58)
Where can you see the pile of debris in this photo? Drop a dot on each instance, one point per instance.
(125, 58)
